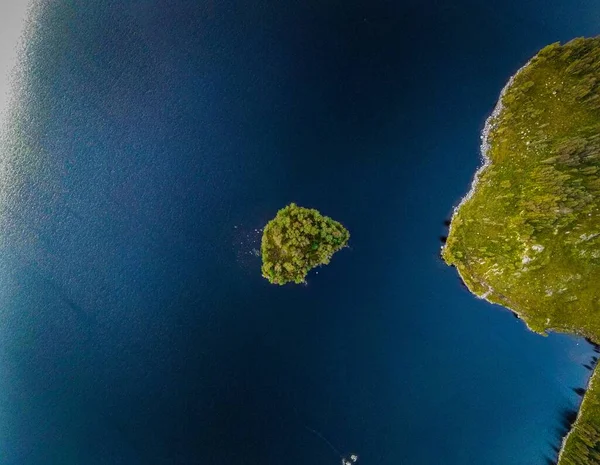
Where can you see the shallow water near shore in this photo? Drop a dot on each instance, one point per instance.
(155, 140)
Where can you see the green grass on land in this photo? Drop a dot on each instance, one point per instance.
(529, 237)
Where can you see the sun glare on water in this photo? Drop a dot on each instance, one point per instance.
(13, 14)
(15, 29)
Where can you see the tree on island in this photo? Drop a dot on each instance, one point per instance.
(297, 240)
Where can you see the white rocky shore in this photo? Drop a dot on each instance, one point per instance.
(485, 133)
(484, 149)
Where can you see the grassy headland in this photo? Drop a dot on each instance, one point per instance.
(528, 235)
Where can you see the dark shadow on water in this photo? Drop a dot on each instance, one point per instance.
(567, 417)
(579, 391)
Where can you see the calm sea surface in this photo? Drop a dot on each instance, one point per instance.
(150, 143)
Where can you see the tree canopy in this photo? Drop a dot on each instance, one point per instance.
(297, 240)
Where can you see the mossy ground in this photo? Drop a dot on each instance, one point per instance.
(529, 236)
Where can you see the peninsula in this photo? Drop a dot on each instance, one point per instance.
(527, 235)
(297, 240)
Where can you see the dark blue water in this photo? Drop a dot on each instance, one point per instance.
(154, 137)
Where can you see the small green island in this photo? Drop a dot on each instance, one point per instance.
(297, 240)
(527, 235)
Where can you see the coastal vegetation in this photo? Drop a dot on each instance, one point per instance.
(297, 240)
(527, 236)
